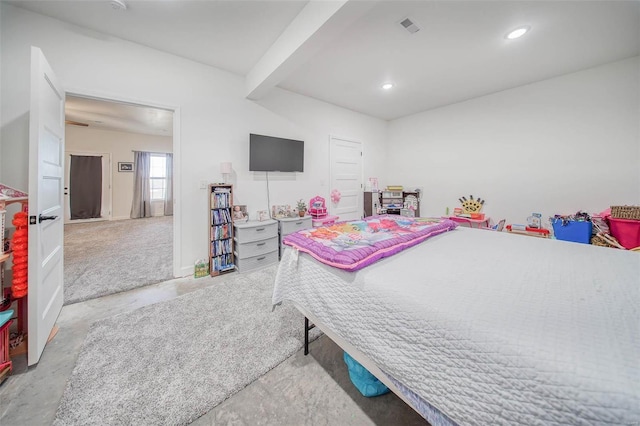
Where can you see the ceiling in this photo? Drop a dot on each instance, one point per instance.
(459, 53)
(106, 115)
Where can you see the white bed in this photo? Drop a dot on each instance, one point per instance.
(487, 327)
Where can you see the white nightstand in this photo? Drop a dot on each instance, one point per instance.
(256, 244)
(289, 225)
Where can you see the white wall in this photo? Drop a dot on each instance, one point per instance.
(215, 118)
(555, 147)
(120, 146)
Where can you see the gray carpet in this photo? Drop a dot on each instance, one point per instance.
(169, 363)
(102, 258)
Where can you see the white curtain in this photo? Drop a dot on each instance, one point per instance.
(168, 193)
(141, 206)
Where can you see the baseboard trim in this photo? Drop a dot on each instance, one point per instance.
(127, 217)
(186, 271)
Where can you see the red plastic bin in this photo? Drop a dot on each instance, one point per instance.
(626, 231)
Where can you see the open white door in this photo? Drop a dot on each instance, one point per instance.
(346, 177)
(46, 159)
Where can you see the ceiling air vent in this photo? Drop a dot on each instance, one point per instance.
(409, 26)
(118, 4)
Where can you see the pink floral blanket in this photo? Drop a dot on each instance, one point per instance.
(355, 244)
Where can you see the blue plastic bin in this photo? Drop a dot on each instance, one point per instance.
(364, 381)
(576, 231)
(5, 316)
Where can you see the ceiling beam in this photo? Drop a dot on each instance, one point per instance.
(317, 24)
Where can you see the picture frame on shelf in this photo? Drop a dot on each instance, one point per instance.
(240, 213)
(282, 211)
(125, 166)
(373, 184)
(262, 215)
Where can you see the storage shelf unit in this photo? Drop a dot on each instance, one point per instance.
(221, 259)
(411, 201)
(372, 204)
(256, 244)
(392, 202)
(289, 225)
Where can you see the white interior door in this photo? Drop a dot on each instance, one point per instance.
(346, 177)
(105, 211)
(46, 158)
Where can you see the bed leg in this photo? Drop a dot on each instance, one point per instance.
(307, 327)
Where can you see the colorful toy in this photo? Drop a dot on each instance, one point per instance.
(535, 221)
(20, 247)
(471, 206)
(317, 208)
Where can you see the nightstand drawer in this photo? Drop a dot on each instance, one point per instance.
(290, 226)
(255, 262)
(256, 231)
(255, 248)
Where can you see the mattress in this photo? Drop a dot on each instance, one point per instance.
(490, 328)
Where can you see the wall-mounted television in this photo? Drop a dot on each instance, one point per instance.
(271, 154)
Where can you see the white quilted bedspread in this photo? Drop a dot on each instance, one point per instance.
(491, 328)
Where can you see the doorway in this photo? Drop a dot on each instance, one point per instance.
(108, 132)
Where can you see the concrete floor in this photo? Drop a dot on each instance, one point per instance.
(311, 390)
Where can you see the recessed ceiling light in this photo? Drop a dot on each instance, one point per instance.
(517, 33)
(387, 86)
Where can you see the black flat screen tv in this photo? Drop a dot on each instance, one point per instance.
(271, 154)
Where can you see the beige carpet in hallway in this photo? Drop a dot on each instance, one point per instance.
(102, 258)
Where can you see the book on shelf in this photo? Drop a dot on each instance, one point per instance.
(222, 263)
(219, 247)
(219, 232)
(220, 216)
(220, 200)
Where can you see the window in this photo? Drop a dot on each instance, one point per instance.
(158, 176)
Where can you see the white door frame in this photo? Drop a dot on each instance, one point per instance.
(177, 158)
(331, 171)
(107, 194)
